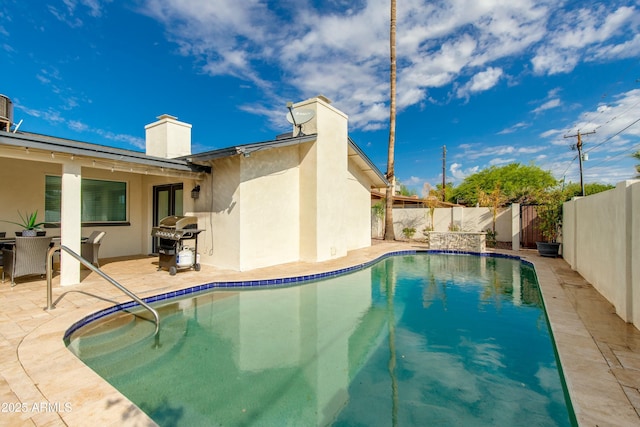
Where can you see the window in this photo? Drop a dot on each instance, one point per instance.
(102, 201)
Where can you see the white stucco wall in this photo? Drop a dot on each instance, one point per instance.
(324, 178)
(600, 240)
(633, 251)
(270, 214)
(218, 213)
(168, 137)
(146, 201)
(303, 202)
(28, 196)
(469, 219)
(357, 215)
(308, 196)
(22, 189)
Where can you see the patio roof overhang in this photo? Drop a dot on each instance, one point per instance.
(36, 147)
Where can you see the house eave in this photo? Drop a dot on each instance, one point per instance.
(377, 177)
(71, 148)
(247, 149)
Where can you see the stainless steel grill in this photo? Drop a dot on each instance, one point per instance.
(172, 232)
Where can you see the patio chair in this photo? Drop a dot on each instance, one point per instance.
(91, 246)
(28, 257)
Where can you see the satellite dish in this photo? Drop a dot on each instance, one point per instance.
(300, 116)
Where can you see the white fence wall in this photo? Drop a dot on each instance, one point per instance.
(601, 241)
(467, 219)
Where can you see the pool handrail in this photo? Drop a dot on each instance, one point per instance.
(51, 306)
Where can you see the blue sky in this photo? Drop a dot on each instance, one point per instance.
(496, 81)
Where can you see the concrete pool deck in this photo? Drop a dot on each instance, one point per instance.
(44, 384)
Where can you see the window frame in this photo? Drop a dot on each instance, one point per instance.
(125, 222)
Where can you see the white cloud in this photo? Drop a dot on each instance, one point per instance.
(343, 52)
(459, 174)
(550, 133)
(501, 161)
(480, 82)
(554, 103)
(413, 181)
(608, 120)
(584, 34)
(531, 150)
(476, 151)
(513, 128)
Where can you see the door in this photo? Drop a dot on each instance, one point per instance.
(167, 201)
(529, 230)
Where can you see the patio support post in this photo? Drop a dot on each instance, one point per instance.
(70, 222)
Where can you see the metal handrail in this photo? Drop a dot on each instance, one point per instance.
(96, 270)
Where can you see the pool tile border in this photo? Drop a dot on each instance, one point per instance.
(270, 282)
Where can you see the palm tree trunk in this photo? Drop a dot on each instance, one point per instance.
(388, 228)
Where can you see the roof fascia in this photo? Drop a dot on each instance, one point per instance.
(368, 161)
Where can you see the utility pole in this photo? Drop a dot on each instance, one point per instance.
(444, 173)
(579, 147)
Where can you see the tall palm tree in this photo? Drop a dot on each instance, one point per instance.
(388, 225)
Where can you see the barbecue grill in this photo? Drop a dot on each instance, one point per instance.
(172, 232)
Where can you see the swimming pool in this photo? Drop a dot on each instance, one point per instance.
(419, 339)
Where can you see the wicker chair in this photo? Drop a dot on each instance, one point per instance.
(91, 246)
(28, 257)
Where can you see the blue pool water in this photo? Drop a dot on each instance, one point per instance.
(451, 340)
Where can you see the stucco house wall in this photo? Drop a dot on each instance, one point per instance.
(358, 213)
(277, 204)
(324, 183)
(27, 194)
(148, 182)
(219, 214)
(302, 197)
(270, 215)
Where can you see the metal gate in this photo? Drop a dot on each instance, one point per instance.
(529, 230)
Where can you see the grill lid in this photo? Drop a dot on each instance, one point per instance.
(179, 222)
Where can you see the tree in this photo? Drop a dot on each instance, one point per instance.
(573, 189)
(448, 192)
(388, 228)
(406, 191)
(494, 201)
(432, 197)
(636, 155)
(518, 183)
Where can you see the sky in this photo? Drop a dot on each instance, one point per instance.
(493, 81)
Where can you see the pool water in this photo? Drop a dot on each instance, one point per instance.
(425, 339)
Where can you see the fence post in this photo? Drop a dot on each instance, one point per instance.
(515, 226)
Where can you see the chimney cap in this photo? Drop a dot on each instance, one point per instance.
(166, 116)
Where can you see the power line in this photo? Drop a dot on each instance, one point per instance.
(612, 158)
(623, 76)
(579, 147)
(614, 135)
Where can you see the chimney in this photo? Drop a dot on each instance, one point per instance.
(168, 138)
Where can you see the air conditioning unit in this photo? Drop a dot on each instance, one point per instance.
(6, 112)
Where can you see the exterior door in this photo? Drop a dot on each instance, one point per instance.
(167, 201)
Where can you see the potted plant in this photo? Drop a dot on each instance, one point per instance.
(29, 224)
(550, 221)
